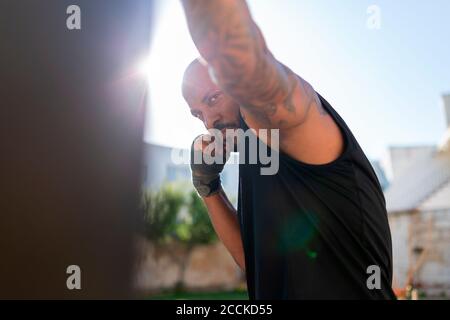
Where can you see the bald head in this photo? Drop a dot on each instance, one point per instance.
(195, 76)
(206, 100)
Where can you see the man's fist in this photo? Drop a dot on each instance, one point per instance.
(208, 158)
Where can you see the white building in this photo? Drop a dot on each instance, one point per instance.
(418, 203)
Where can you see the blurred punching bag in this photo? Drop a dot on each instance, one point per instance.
(72, 110)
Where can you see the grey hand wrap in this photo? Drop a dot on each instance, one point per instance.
(205, 177)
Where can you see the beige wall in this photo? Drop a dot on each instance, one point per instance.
(399, 224)
(202, 268)
(421, 243)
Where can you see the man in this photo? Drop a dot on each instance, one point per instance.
(318, 227)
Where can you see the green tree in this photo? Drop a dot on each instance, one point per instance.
(160, 211)
(197, 227)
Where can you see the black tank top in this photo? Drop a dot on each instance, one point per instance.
(312, 231)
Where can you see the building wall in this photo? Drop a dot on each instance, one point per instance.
(440, 200)
(446, 106)
(399, 159)
(400, 224)
(158, 166)
(421, 246)
(432, 232)
(165, 164)
(200, 268)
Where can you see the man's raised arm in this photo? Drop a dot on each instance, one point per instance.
(243, 67)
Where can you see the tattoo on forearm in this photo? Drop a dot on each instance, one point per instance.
(262, 114)
(228, 39)
(288, 103)
(232, 44)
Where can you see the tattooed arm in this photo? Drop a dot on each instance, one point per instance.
(270, 94)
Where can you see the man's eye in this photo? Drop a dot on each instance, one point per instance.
(213, 99)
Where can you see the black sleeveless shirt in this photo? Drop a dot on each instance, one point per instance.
(312, 231)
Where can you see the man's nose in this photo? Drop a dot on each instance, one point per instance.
(211, 120)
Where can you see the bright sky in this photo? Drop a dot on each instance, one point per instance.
(386, 83)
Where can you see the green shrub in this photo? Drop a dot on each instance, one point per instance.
(197, 228)
(163, 220)
(160, 210)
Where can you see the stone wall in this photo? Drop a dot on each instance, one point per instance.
(200, 268)
(421, 248)
(400, 226)
(433, 233)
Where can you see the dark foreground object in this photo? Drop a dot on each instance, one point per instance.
(71, 121)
